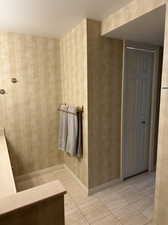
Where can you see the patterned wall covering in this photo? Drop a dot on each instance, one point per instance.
(74, 88)
(51, 72)
(161, 197)
(29, 107)
(87, 58)
(128, 13)
(104, 90)
(132, 11)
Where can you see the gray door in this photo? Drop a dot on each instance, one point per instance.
(136, 119)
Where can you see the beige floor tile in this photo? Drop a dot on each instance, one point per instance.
(126, 203)
(125, 212)
(70, 206)
(105, 195)
(149, 192)
(120, 197)
(94, 210)
(150, 223)
(131, 196)
(143, 204)
(78, 195)
(81, 198)
(115, 202)
(75, 218)
(122, 188)
(134, 220)
(113, 191)
(109, 220)
(145, 184)
(76, 191)
(148, 212)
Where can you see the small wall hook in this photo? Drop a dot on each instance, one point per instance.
(2, 91)
(14, 80)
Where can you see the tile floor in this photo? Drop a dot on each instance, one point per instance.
(127, 203)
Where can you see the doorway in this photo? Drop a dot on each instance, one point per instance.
(140, 108)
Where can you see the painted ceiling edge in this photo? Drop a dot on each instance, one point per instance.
(85, 20)
(46, 36)
(120, 17)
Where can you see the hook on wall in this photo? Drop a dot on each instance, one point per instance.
(14, 80)
(2, 91)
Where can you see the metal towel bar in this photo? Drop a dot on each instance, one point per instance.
(79, 110)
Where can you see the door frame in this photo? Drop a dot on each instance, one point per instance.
(154, 105)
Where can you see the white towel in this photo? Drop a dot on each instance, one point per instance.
(63, 128)
(71, 146)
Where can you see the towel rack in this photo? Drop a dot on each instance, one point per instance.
(66, 111)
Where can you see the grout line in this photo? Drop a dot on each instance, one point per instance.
(96, 197)
(80, 211)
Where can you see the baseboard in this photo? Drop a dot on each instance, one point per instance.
(104, 186)
(28, 176)
(90, 191)
(77, 179)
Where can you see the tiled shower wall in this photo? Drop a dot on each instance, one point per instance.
(29, 107)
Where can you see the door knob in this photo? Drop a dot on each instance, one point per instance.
(143, 122)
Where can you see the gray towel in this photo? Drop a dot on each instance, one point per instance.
(71, 146)
(63, 128)
(79, 138)
(74, 139)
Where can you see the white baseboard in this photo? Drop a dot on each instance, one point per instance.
(28, 176)
(103, 186)
(77, 179)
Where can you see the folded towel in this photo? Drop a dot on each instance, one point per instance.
(63, 128)
(71, 146)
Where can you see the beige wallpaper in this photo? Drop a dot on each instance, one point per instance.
(29, 107)
(82, 69)
(89, 63)
(104, 90)
(74, 88)
(161, 210)
(131, 11)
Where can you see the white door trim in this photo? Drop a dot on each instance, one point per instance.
(154, 107)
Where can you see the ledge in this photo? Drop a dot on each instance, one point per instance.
(7, 183)
(31, 197)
